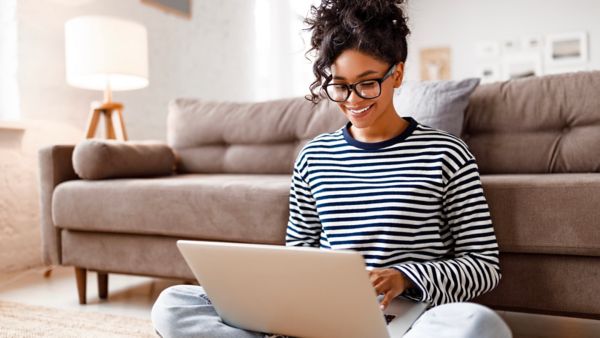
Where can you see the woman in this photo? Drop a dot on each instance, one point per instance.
(405, 195)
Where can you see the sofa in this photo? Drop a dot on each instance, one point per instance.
(536, 141)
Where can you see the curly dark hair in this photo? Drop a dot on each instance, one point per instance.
(374, 27)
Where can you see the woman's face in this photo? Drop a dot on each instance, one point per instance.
(353, 66)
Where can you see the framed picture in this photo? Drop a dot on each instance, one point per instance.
(489, 72)
(435, 63)
(182, 8)
(520, 65)
(532, 43)
(488, 49)
(566, 49)
(511, 46)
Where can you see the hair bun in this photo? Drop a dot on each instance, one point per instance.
(375, 27)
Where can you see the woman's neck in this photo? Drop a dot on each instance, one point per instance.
(386, 127)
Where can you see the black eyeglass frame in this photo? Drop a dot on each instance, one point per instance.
(352, 87)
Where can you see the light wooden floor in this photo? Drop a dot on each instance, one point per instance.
(134, 296)
(127, 295)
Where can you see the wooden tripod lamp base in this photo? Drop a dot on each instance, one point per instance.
(113, 120)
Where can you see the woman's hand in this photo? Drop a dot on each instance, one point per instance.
(389, 282)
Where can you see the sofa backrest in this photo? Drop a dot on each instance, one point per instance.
(548, 124)
(250, 138)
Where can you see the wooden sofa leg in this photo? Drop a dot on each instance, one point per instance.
(81, 277)
(103, 285)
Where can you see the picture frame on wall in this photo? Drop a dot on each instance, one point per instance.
(566, 49)
(488, 49)
(532, 43)
(511, 46)
(435, 63)
(520, 65)
(489, 72)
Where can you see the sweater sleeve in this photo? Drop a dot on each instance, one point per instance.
(474, 267)
(304, 226)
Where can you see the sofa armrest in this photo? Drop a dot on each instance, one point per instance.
(55, 164)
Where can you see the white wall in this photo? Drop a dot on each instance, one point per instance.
(206, 57)
(9, 98)
(461, 24)
(209, 57)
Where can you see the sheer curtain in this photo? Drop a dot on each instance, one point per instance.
(9, 92)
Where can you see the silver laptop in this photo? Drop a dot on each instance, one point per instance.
(294, 291)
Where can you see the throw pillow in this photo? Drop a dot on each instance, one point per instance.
(438, 104)
(97, 159)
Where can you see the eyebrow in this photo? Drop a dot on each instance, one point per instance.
(368, 72)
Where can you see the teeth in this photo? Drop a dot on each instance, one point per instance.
(359, 111)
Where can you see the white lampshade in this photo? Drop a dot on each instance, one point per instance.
(102, 50)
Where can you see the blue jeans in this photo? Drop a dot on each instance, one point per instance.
(183, 311)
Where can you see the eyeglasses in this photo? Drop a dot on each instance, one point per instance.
(367, 89)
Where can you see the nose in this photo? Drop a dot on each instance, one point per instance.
(353, 98)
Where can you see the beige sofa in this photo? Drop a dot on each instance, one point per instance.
(536, 140)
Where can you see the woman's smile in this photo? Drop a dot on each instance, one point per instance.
(360, 112)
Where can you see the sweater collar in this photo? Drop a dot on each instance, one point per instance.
(382, 144)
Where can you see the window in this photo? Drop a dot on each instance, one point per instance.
(281, 68)
(9, 92)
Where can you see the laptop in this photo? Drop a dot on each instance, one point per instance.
(295, 291)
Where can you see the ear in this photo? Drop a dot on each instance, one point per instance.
(398, 74)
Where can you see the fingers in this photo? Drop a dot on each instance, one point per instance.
(381, 287)
(384, 282)
(375, 276)
(387, 298)
(389, 283)
(380, 281)
(376, 280)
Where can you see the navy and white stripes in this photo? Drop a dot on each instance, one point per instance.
(414, 203)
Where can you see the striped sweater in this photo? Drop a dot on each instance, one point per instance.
(414, 203)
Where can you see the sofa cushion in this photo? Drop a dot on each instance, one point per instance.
(552, 213)
(97, 159)
(438, 104)
(531, 213)
(248, 208)
(246, 138)
(548, 124)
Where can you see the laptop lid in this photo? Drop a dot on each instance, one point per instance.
(304, 292)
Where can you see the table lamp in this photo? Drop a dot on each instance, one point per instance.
(110, 54)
